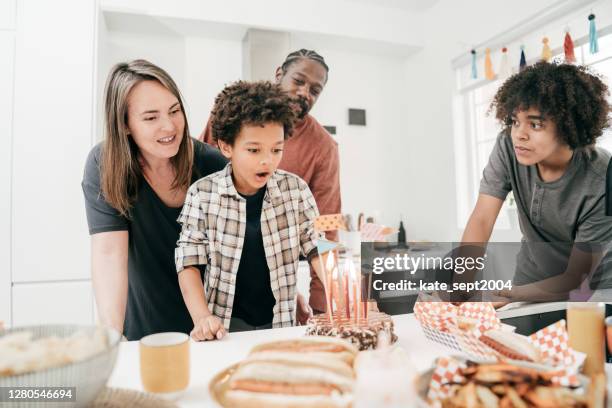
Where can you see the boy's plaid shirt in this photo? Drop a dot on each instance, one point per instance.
(213, 225)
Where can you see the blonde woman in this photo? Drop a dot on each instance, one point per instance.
(135, 183)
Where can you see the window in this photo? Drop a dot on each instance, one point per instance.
(477, 129)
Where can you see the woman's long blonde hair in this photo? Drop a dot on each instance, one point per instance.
(120, 169)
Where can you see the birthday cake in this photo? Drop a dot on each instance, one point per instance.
(363, 333)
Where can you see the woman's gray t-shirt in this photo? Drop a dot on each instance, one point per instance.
(559, 213)
(155, 303)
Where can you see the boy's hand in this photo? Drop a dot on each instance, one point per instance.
(303, 312)
(208, 328)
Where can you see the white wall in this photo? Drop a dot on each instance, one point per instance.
(7, 14)
(338, 17)
(262, 51)
(210, 65)
(7, 50)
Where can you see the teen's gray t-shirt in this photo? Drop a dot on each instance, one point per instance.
(559, 213)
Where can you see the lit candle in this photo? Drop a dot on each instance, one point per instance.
(350, 266)
(367, 301)
(329, 265)
(336, 294)
(347, 302)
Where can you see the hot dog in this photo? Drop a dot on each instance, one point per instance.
(300, 373)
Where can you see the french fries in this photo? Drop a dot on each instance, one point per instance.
(508, 386)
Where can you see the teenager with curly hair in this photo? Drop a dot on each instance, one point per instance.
(552, 115)
(249, 223)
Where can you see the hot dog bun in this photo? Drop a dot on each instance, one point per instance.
(322, 346)
(246, 399)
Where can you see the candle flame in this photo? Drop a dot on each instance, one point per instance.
(330, 261)
(350, 266)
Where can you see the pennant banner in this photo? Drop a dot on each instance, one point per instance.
(546, 51)
(593, 41)
(324, 246)
(489, 73)
(330, 222)
(504, 66)
(374, 232)
(568, 48)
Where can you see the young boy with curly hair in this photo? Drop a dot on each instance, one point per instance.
(546, 155)
(247, 224)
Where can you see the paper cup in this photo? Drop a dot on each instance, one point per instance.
(164, 363)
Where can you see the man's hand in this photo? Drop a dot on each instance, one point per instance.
(303, 310)
(208, 328)
(373, 306)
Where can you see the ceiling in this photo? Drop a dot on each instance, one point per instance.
(407, 5)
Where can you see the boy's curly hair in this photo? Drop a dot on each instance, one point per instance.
(250, 103)
(571, 96)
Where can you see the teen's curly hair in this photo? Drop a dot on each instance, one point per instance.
(569, 95)
(250, 103)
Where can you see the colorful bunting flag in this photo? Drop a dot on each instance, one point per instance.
(504, 66)
(489, 74)
(523, 62)
(546, 51)
(374, 232)
(324, 246)
(568, 48)
(329, 222)
(593, 44)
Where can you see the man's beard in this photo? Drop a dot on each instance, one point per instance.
(302, 106)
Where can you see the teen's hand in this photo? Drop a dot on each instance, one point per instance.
(498, 305)
(208, 328)
(303, 310)
(516, 294)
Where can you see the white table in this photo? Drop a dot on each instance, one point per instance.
(208, 358)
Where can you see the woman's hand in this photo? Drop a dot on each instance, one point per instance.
(109, 274)
(208, 328)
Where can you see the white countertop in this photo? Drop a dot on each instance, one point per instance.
(208, 358)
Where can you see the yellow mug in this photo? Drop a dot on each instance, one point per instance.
(164, 362)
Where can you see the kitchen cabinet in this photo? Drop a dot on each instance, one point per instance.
(7, 50)
(58, 302)
(52, 134)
